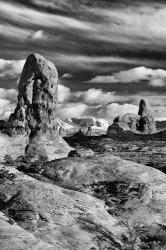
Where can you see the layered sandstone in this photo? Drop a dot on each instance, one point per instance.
(35, 114)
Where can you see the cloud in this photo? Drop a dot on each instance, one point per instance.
(7, 102)
(8, 94)
(10, 68)
(38, 35)
(64, 93)
(72, 109)
(91, 96)
(156, 77)
(158, 82)
(67, 76)
(93, 102)
(95, 96)
(108, 112)
(134, 34)
(114, 109)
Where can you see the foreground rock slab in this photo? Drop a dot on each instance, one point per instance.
(142, 188)
(53, 216)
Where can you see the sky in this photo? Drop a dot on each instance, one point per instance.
(109, 53)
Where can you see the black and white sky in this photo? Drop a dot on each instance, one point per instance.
(109, 53)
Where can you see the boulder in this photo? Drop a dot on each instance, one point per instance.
(81, 152)
(120, 131)
(35, 114)
(131, 120)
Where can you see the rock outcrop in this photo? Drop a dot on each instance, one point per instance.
(147, 124)
(129, 125)
(35, 114)
(46, 216)
(37, 96)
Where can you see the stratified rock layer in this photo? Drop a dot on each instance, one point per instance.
(35, 114)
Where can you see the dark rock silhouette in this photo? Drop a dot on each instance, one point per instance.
(35, 114)
(147, 122)
(144, 109)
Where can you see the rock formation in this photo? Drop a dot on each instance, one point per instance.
(37, 96)
(147, 124)
(125, 126)
(35, 114)
(131, 120)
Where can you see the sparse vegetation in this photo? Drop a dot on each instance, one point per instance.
(5, 175)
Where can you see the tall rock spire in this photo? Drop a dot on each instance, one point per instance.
(35, 114)
(147, 122)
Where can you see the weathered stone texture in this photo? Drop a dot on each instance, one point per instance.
(35, 114)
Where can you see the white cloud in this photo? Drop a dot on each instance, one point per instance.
(156, 77)
(108, 112)
(9, 94)
(34, 17)
(67, 76)
(7, 102)
(96, 96)
(38, 35)
(72, 109)
(114, 109)
(10, 68)
(64, 93)
(91, 96)
(158, 82)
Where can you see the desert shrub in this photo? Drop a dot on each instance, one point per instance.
(8, 160)
(5, 175)
(43, 158)
(135, 235)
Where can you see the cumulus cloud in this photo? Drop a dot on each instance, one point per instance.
(64, 93)
(91, 96)
(95, 96)
(108, 112)
(156, 77)
(7, 102)
(10, 68)
(114, 109)
(8, 94)
(38, 35)
(72, 109)
(93, 102)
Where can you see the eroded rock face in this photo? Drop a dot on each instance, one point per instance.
(131, 120)
(37, 96)
(35, 114)
(147, 122)
(125, 126)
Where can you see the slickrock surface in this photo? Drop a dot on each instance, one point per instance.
(58, 217)
(135, 189)
(77, 203)
(13, 146)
